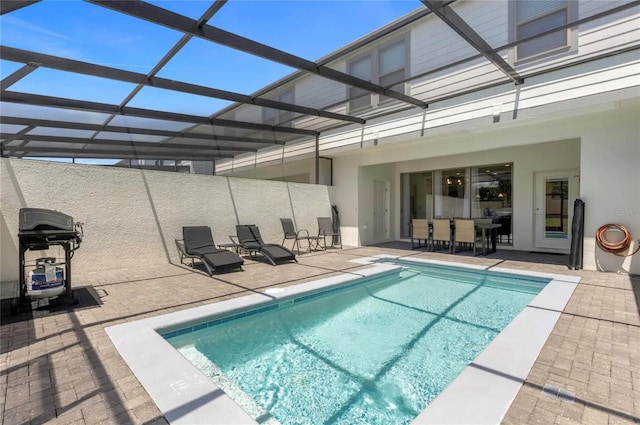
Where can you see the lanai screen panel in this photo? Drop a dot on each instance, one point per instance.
(171, 74)
(539, 36)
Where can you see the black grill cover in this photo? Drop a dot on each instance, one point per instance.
(41, 219)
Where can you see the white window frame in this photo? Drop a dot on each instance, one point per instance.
(376, 99)
(571, 8)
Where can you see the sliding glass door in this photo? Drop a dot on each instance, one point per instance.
(417, 199)
(472, 192)
(492, 197)
(452, 193)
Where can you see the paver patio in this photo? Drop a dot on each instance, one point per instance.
(62, 368)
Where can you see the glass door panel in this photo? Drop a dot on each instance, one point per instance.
(555, 193)
(452, 193)
(556, 210)
(417, 198)
(491, 197)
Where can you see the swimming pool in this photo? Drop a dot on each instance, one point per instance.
(377, 351)
(350, 387)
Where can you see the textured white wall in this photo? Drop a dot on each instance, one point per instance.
(604, 146)
(610, 184)
(526, 160)
(133, 216)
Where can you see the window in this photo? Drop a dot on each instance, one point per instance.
(386, 67)
(362, 69)
(417, 198)
(451, 192)
(392, 63)
(278, 116)
(471, 192)
(532, 17)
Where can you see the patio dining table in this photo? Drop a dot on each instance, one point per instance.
(493, 228)
(489, 240)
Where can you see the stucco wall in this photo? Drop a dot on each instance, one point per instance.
(133, 216)
(604, 146)
(526, 161)
(610, 184)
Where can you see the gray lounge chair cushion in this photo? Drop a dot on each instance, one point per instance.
(197, 237)
(277, 253)
(250, 239)
(205, 250)
(198, 241)
(223, 259)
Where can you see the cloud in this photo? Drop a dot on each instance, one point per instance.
(25, 25)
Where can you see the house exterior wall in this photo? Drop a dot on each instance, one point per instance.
(578, 88)
(433, 45)
(601, 140)
(604, 146)
(610, 184)
(582, 116)
(463, 151)
(133, 216)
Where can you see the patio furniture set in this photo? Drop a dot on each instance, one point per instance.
(197, 244)
(453, 234)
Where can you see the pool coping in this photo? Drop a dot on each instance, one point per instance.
(482, 393)
(486, 388)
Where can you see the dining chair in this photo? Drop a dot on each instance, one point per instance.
(465, 232)
(441, 232)
(420, 231)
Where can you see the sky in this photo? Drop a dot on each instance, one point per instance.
(90, 33)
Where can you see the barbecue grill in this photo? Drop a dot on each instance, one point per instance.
(39, 229)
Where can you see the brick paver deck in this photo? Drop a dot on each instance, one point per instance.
(63, 369)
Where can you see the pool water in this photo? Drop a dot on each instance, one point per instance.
(377, 353)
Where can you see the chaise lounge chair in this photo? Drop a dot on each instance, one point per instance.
(198, 243)
(250, 240)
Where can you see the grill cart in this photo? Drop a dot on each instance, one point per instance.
(39, 229)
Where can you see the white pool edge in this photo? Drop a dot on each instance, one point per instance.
(482, 393)
(484, 390)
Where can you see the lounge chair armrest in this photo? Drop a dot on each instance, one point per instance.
(182, 250)
(180, 246)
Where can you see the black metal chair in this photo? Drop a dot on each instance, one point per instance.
(301, 235)
(505, 227)
(325, 228)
